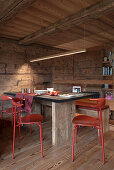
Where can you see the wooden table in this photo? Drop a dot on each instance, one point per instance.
(63, 111)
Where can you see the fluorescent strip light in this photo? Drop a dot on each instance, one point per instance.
(58, 55)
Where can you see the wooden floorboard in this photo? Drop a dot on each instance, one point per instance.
(88, 153)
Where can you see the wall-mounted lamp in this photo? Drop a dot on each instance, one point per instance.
(58, 55)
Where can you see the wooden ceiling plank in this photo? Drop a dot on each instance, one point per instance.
(31, 22)
(23, 23)
(104, 27)
(12, 8)
(50, 9)
(108, 19)
(41, 14)
(29, 17)
(95, 11)
(107, 36)
(18, 28)
(12, 31)
(95, 31)
(11, 37)
(12, 34)
(67, 5)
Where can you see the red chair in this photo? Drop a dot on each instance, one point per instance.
(84, 120)
(9, 110)
(28, 119)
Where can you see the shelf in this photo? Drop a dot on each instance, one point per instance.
(106, 62)
(107, 75)
(107, 89)
(84, 82)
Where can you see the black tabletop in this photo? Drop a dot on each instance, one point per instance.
(59, 99)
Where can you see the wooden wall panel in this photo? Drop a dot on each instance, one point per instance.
(84, 66)
(88, 65)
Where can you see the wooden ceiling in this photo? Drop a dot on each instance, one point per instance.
(66, 24)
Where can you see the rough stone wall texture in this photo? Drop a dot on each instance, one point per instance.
(17, 72)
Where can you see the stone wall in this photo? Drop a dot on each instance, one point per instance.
(17, 72)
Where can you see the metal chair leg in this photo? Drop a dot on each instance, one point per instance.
(14, 136)
(19, 132)
(99, 136)
(30, 129)
(76, 135)
(73, 145)
(41, 140)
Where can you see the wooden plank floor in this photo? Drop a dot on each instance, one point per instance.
(88, 155)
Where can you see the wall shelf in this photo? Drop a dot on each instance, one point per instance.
(84, 82)
(107, 75)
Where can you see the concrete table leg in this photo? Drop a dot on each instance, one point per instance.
(62, 115)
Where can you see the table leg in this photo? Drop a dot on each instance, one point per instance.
(62, 115)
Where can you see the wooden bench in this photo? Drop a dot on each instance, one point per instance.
(83, 106)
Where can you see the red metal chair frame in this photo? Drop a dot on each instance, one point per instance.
(9, 110)
(21, 122)
(98, 105)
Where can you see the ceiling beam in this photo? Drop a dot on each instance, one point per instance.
(10, 8)
(87, 14)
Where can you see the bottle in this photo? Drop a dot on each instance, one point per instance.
(110, 70)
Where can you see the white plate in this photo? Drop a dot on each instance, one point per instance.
(40, 91)
(70, 95)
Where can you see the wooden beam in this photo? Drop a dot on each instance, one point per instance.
(10, 8)
(87, 14)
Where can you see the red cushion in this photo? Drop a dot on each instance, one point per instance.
(82, 119)
(32, 118)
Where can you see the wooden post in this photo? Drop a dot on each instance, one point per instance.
(62, 115)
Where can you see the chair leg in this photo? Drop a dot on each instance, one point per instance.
(19, 133)
(41, 140)
(17, 116)
(14, 136)
(103, 145)
(2, 111)
(30, 129)
(73, 145)
(1, 115)
(76, 135)
(101, 128)
(99, 136)
(12, 120)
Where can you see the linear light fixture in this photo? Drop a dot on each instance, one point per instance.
(58, 55)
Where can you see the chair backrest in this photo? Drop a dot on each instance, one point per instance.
(17, 102)
(4, 97)
(99, 102)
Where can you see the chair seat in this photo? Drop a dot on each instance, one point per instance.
(85, 120)
(32, 118)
